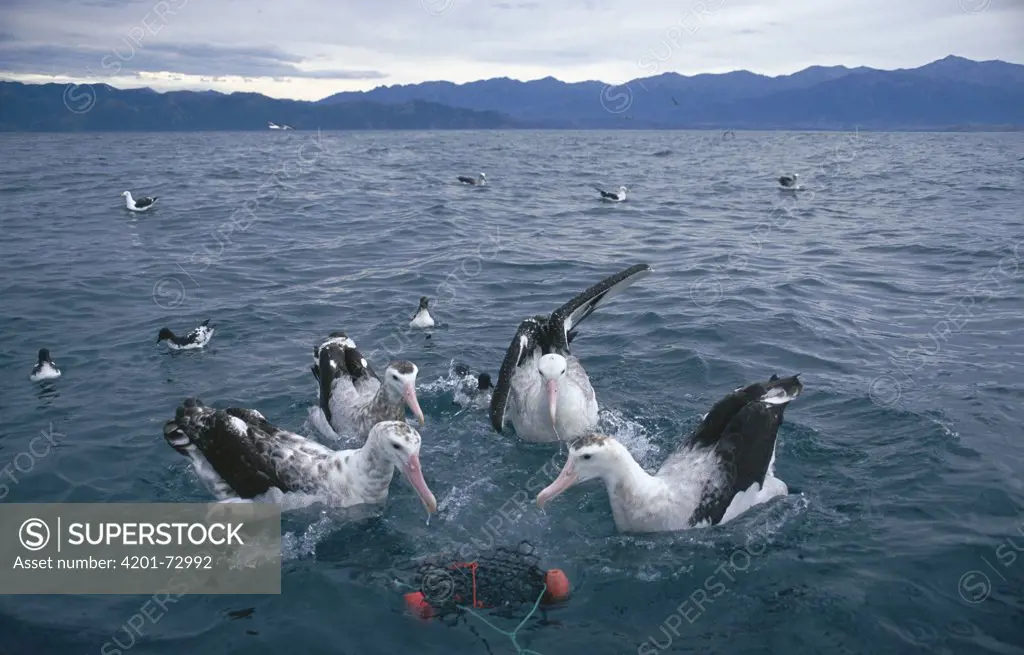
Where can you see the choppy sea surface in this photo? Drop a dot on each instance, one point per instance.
(892, 282)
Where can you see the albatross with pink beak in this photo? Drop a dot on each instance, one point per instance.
(353, 397)
(542, 388)
(239, 456)
(725, 467)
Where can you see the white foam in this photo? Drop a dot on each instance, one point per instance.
(296, 546)
(459, 497)
(627, 432)
(290, 500)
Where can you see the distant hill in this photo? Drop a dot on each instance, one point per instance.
(949, 94)
(63, 108)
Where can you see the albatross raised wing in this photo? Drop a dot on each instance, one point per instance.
(554, 333)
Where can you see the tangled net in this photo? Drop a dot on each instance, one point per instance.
(501, 580)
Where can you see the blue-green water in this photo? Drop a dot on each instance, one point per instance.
(893, 284)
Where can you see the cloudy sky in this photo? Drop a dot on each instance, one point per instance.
(308, 49)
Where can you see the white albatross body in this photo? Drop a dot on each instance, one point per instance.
(241, 456)
(576, 411)
(353, 397)
(542, 388)
(723, 469)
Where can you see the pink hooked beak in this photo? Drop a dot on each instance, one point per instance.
(414, 474)
(409, 395)
(565, 479)
(553, 401)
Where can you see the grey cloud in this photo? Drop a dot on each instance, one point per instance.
(567, 39)
(129, 57)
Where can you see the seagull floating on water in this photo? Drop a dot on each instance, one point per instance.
(725, 467)
(474, 181)
(422, 319)
(138, 205)
(542, 388)
(351, 394)
(197, 338)
(45, 368)
(788, 181)
(612, 196)
(239, 455)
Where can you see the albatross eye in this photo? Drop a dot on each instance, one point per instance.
(396, 446)
(587, 456)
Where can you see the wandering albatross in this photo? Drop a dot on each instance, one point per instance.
(138, 204)
(542, 388)
(239, 456)
(725, 467)
(474, 181)
(351, 394)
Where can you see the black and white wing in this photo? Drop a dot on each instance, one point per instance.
(741, 429)
(142, 203)
(248, 453)
(197, 334)
(565, 319)
(336, 357)
(523, 344)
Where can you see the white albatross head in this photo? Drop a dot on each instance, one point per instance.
(552, 368)
(400, 444)
(400, 385)
(590, 457)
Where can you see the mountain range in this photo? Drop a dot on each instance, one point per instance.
(951, 93)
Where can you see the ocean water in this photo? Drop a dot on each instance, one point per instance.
(892, 282)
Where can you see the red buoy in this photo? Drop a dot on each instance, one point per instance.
(417, 604)
(557, 584)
